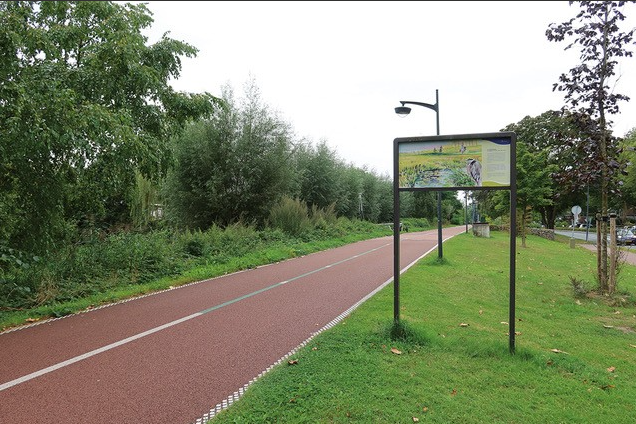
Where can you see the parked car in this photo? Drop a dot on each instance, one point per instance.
(625, 237)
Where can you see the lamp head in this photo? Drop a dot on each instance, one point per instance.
(402, 110)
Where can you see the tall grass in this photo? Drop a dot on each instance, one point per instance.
(291, 216)
(295, 218)
(106, 268)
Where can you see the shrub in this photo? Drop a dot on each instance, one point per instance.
(578, 287)
(416, 224)
(323, 217)
(291, 216)
(194, 243)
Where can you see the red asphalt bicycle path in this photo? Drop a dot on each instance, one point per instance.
(235, 328)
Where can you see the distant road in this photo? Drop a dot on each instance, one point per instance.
(580, 235)
(175, 356)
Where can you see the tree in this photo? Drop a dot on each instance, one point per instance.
(545, 159)
(588, 90)
(364, 194)
(85, 105)
(533, 183)
(320, 172)
(628, 190)
(234, 166)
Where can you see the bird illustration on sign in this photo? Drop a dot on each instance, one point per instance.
(473, 168)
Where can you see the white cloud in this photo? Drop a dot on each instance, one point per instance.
(335, 70)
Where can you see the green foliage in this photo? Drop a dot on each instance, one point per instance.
(628, 155)
(416, 224)
(229, 168)
(241, 162)
(14, 263)
(84, 105)
(591, 96)
(14, 258)
(146, 204)
(195, 243)
(323, 217)
(543, 158)
(290, 216)
(293, 217)
(108, 267)
(319, 171)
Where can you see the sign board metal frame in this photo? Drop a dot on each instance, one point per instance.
(480, 161)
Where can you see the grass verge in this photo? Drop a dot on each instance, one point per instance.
(129, 265)
(447, 361)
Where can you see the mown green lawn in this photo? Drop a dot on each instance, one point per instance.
(448, 361)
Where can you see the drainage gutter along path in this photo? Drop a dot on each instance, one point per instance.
(175, 356)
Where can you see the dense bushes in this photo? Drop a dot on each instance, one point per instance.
(293, 217)
(108, 263)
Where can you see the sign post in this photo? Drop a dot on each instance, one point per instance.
(576, 210)
(484, 161)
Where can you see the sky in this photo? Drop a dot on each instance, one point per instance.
(335, 71)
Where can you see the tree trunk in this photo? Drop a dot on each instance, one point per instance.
(598, 246)
(604, 163)
(548, 216)
(611, 285)
(603, 285)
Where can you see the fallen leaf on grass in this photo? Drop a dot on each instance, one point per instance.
(454, 392)
(611, 369)
(396, 351)
(558, 351)
(608, 326)
(416, 420)
(504, 323)
(481, 312)
(292, 362)
(463, 324)
(31, 319)
(425, 409)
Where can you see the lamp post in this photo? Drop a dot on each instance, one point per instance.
(466, 210)
(403, 111)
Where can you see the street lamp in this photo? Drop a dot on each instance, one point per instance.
(403, 111)
(466, 210)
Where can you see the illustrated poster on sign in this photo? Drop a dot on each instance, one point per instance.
(455, 163)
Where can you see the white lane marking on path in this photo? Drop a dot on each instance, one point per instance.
(94, 352)
(241, 391)
(78, 358)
